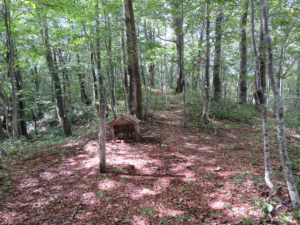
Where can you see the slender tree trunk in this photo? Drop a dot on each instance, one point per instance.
(279, 113)
(217, 60)
(139, 107)
(102, 136)
(124, 62)
(206, 106)
(298, 90)
(131, 83)
(171, 80)
(62, 116)
(7, 20)
(243, 58)
(95, 88)
(81, 80)
(102, 100)
(2, 135)
(22, 125)
(260, 75)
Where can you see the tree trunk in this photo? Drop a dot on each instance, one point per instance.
(131, 83)
(177, 21)
(206, 106)
(2, 135)
(279, 112)
(81, 80)
(98, 55)
(243, 58)
(171, 81)
(7, 20)
(102, 136)
(139, 107)
(260, 79)
(217, 60)
(95, 88)
(62, 116)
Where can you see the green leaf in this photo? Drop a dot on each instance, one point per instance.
(164, 222)
(125, 221)
(294, 214)
(184, 217)
(270, 208)
(148, 209)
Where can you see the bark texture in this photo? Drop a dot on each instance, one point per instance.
(242, 94)
(139, 107)
(217, 60)
(260, 76)
(102, 136)
(81, 80)
(177, 21)
(206, 106)
(129, 61)
(279, 112)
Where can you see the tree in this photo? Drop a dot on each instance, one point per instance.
(243, 57)
(61, 113)
(279, 112)
(129, 61)
(139, 107)
(217, 61)
(205, 113)
(261, 98)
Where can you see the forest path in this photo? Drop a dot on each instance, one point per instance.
(201, 174)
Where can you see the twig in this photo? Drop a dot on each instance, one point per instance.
(48, 218)
(37, 211)
(74, 213)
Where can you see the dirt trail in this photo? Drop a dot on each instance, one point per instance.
(181, 175)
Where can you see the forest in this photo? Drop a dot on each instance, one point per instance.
(211, 86)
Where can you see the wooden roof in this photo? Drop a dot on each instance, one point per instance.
(127, 117)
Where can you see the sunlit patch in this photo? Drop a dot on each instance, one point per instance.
(47, 175)
(146, 191)
(88, 195)
(231, 135)
(10, 217)
(217, 205)
(30, 182)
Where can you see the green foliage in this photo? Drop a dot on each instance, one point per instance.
(264, 206)
(5, 186)
(184, 218)
(101, 193)
(148, 210)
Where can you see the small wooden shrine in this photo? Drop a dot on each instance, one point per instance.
(125, 124)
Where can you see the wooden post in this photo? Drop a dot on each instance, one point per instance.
(102, 135)
(113, 132)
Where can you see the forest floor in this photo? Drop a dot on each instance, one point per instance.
(172, 175)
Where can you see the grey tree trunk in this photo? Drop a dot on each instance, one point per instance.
(98, 56)
(178, 26)
(279, 112)
(7, 21)
(22, 125)
(136, 72)
(131, 83)
(171, 80)
(205, 113)
(62, 116)
(102, 136)
(242, 94)
(260, 75)
(81, 79)
(217, 61)
(95, 88)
